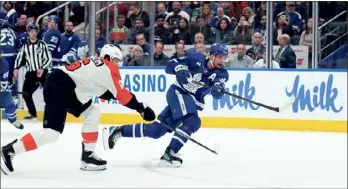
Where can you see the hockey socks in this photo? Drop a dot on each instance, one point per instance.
(32, 141)
(153, 130)
(90, 140)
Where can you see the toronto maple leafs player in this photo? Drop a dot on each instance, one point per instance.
(9, 46)
(5, 94)
(184, 99)
(52, 38)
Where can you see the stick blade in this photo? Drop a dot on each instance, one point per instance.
(288, 104)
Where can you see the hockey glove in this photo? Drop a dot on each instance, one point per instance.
(182, 74)
(218, 91)
(147, 113)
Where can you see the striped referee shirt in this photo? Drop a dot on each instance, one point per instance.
(34, 56)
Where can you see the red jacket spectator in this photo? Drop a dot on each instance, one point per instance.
(236, 8)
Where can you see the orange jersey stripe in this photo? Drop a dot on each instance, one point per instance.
(28, 142)
(90, 137)
(123, 95)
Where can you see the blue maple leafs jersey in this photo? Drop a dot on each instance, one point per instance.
(198, 67)
(9, 42)
(52, 39)
(4, 69)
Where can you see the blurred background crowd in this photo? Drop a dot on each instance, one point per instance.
(150, 33)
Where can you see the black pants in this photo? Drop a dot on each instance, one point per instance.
(60, 98)
(31, 83)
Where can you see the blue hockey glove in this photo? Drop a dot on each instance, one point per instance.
(182, 74)
(217, 91)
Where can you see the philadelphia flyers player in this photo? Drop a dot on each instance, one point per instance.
(70, 89)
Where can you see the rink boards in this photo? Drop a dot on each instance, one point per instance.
(320, 99)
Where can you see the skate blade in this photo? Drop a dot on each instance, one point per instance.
(91, 167)
(106, 134)
(166, 164)
(3, 167)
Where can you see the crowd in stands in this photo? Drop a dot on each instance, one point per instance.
(188, 23)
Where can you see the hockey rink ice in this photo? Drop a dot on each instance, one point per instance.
(247, 159)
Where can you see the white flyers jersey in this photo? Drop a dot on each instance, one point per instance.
(94, 76)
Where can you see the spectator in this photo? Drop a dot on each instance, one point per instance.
(260, 13)
(162, 33)
(99, 41)
(11, 13)
(34, 9)
(140, 39)
(162, 10)
(236, 9)
(262, 29)
(282, 27)
(257, 51)
(207, 30)
(173, 18)
(292, 18)
(200, 48)
(262, 63)
(44, 26)
(199, 39)
(179, 51)
(285, 55)
(243, 32)
(139, 28)
(220, 14)
(137, 58)
(249, 15)
(182, 33)
(135, 13)
(188, 7)
(20, 27)
(160, 58)
(207, 13)
(242, 60)
(69, 40)
(306, 36)
(224, 33)
(194, 9)
(120, 33)
(306, 39)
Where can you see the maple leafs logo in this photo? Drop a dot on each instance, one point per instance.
(191, 87)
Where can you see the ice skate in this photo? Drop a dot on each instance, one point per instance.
(30, 118)
(110, 136)
(170, 159)
(7, 154)
(18, 125)
(91, 162)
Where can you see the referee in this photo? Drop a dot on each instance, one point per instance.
(36, 56)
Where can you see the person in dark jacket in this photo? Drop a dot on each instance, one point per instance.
(68, 40)
(139, 28)
(282, 27)
(285, 55)
(161, 32)
(181, 33)
(257, 50)
(160, 58)
(179, 51)
(224, 32)
(99, 41)
(135, 13)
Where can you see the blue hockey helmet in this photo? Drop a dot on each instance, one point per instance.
(218, 49)
(53, 18)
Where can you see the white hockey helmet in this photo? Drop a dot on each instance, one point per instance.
(112, 51)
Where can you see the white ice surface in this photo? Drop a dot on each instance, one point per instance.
(247, 159)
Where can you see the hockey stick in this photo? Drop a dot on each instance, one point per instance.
(22, 93)
(276, 109)
(186, 136)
